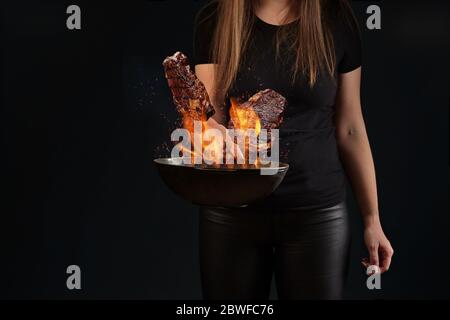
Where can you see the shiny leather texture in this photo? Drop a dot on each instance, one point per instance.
(306, 249)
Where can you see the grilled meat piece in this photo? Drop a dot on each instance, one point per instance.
(269, 106)
(189, 93)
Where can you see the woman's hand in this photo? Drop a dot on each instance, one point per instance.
(379, 247)
(236, 152)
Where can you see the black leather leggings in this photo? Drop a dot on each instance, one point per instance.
(307, 250)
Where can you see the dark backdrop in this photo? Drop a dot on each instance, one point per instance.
(84, 113)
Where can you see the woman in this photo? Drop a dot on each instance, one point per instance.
(308, 51)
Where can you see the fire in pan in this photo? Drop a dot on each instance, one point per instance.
(231, 185)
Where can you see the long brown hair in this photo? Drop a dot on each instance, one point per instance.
(313, 41)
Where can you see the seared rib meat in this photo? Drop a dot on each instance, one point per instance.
(189, 93)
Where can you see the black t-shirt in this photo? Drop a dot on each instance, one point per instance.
(307, 136)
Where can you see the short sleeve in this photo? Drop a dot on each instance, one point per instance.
(204, 26)
(352, 51)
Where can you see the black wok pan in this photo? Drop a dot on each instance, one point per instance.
(219, 186)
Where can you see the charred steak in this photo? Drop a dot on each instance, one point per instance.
(189, 93)
(269, 106)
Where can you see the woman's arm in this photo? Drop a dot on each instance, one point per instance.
(205, 73)
(356, 156)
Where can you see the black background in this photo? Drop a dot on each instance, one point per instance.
(84, 113)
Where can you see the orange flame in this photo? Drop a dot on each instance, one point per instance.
(244, 118)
